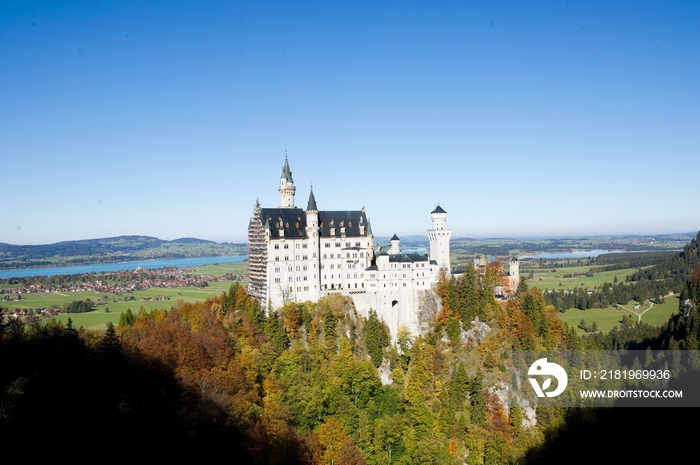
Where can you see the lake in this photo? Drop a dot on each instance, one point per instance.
(575, 254)
(159, 263)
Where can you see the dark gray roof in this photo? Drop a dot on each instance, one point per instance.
(293, 221)
(348, 219)
(312, 202)
(407, 258)
(286, 172)
(438, 209)
(395, 238)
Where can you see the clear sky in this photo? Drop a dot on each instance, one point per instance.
(171, 118)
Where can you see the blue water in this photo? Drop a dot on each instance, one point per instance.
(577, 254)
(159, 263)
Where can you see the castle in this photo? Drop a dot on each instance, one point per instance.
(298, 255)
(510, 280)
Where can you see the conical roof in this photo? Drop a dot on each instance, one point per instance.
(286, 172)
(312, 202)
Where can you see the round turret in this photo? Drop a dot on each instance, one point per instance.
(286, 189)
(439, 217)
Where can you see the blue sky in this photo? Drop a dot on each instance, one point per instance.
(170, 119)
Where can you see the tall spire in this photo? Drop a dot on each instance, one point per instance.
(286, 172)
(312, 201)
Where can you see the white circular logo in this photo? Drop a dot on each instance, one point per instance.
(542, 367)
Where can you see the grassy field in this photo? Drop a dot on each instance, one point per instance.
(546, 279)
(220, 269)
(606, 318)
(98, 319)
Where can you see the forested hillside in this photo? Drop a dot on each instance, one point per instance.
(110, 250)
(317, 383)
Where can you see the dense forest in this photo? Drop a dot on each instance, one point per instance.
(316, 383)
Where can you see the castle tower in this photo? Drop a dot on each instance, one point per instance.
(514, 275)
(440, 239)
(395, 248)
(286, 188)
(314, 244)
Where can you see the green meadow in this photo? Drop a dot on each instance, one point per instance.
(607, 318)
(547, 279)
(111, 310)
(221, 269)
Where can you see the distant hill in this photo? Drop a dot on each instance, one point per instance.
(110, 249)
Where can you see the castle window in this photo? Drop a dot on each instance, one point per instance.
(291, 279)
(363, 285)
(304, 245)
(337, 244)
(305, 267)
(289, 268)
(286, 225)
(306, 288)
(277, 258)
(305, 257)
(298, 268)
(298, 278)
(286, 257)
(306, 278)
(277, 280)
(332, 266)
(347, 244)
(298, 245)
(362, 255)
(349, 224)
(347, 255)
(277, 269)
(286, 246)
(299, 289)
(357, 244)
(325, 255)
(348, 275)
(277, 246)
(298, 257)
(327, 244)
(404, 284)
